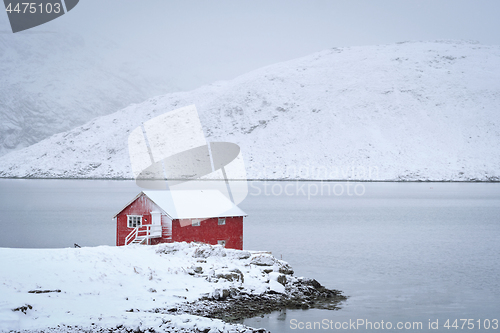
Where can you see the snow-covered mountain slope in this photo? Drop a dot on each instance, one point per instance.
(53, 82)
(408, 111)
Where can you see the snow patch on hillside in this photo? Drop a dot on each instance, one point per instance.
(407, 111)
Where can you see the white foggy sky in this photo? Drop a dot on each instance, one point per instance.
(203, 41)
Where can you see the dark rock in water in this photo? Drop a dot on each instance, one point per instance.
(234, 305)
(312, 282)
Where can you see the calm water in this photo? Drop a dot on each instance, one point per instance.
(403, 252)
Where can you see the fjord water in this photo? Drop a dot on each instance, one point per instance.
(402, 252)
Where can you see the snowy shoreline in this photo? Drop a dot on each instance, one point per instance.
(169, 287)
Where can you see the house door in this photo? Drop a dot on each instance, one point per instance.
(156, 222)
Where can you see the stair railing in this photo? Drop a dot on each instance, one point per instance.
(131, 236)
(147, 231)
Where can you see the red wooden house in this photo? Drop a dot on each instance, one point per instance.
(205, 216)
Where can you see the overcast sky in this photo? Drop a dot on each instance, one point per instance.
(205, 41)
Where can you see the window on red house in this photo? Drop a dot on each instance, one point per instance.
(134, 221)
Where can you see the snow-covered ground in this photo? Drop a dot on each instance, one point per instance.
(53, 82)
(407, 111)
(107, 287)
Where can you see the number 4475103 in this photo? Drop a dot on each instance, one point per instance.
(472, 324)
(33, 8)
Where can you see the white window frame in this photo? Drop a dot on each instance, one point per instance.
(195, 223)
(221, 221)
(130, 218)
(222, 242)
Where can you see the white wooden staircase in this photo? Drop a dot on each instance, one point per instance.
(143, 234)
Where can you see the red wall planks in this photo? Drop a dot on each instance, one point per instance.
(211, 232)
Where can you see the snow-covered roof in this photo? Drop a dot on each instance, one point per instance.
(184, 204)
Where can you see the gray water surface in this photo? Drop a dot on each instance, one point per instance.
(402, 252)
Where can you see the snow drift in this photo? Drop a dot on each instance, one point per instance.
(408, 111)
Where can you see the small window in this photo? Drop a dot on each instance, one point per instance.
(222, 242)
(222, 221)
(134, 221)
(195, 223)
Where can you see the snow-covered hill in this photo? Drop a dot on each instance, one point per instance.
(408, 111)
(53, 82)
